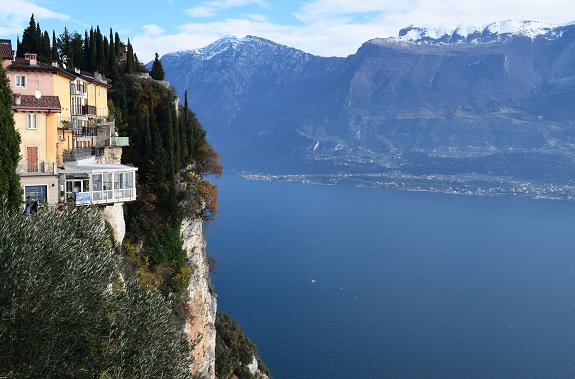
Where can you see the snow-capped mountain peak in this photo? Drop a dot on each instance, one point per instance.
(476, 34)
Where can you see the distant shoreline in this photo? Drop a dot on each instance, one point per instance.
(474, 185)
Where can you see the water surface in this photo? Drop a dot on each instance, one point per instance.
(345, 282)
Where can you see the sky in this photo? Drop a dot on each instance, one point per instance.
(320, 27)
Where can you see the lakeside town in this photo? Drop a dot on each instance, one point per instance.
(480, 185)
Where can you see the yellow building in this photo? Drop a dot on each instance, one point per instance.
(36, 116)
(69, 148)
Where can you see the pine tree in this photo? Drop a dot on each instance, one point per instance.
(10, 190)
(157, 72)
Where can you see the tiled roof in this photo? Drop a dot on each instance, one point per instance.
(45, 103)
(6, 50)
(24, 64)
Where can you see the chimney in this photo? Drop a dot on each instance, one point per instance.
(17, 99)
(33, 58)
(54, 63)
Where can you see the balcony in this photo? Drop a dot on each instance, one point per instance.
(77, 90)
(113, 196)
(99, 184)
(88, 110)
(37, 168)
(119, 141)
(77, 154)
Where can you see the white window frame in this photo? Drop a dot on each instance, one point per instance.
(19, 81)
(31, 121)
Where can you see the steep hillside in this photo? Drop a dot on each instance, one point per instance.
(468, 104)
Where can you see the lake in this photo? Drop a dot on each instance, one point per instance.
(346, 282)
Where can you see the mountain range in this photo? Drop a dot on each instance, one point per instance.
(469, 109)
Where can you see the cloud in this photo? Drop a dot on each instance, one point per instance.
(15, 15)
(153, 30)
(211, 8)
(434, 12)
(339, 27)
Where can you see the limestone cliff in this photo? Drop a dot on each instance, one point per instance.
(201, 300)
(201, 303)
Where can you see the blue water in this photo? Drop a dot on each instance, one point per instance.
(344, 282)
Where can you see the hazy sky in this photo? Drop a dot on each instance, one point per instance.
(321, 27)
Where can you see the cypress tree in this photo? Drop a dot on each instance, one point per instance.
(188, 126)
(93, 51)
(86, 48)
(46, 50)
(10, 190)
(54, 47)
(111, 57)
(184, 151)
(177, 142)
(157, 72)
(130, 63)
(118, 46)
(100, 51)
(170, 143)
(106, 48)
(29, 42)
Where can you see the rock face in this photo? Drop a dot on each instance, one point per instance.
(255, 370)
(201, 302)
(494, 101)
(114, 215)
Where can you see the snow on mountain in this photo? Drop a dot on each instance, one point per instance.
(476, 34)
(221, 45)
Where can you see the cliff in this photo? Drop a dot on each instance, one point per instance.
(201, 302)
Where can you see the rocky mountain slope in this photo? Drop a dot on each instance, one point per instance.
(478, 109)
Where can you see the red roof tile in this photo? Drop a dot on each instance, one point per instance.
(24, 64)
(6, 50)
(44, 104)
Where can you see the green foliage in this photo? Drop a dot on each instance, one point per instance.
(234, 351)
(66, 313)
(165, 245)
(10, 190)
(157, 72)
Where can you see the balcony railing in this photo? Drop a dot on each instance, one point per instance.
(37, 168)
(119, 141)
(77, 90)
(80, 153)
(113, 196)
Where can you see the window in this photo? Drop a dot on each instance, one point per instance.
(107, 181)
(31, 121)
(98, 91)
(97, 182)
(58, 84)
(20, 81)
(39, 193)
